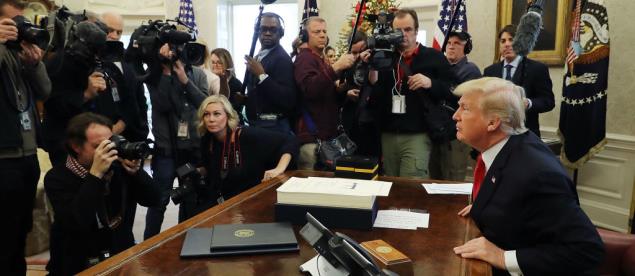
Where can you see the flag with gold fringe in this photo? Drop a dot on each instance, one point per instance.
(582, 126)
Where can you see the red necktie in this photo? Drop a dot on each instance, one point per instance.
(479, 174)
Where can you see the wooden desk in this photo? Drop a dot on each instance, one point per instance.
(430, 249)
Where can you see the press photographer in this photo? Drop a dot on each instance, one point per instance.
(176, 90)
(23, 79)
(417, 76)
(94, 195)
(80, 84)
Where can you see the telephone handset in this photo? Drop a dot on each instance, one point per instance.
(340, 250)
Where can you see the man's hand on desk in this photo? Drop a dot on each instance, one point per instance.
(482, 249)
(465, 211)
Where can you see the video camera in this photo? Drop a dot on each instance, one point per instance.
(147, 39)
(384, 41)
(130, 150)
(190, 180)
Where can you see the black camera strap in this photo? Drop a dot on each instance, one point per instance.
(14, 85)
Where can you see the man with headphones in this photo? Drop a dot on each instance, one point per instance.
(271, 94)
(316, 85)
(449, 160)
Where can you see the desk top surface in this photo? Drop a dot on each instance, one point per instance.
(430, 249)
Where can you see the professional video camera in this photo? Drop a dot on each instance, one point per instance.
(29, 32)
(147, 39)
(130, 150)
(384, 41)
(190, 180)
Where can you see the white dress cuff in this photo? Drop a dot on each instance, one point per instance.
(511, 263)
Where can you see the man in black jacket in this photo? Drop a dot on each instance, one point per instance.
(404, 141)
(23, 78)
(532, 75)
(271, 95)
(93, 197)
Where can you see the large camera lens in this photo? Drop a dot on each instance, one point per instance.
(129, 150)
(30, 33)
(193, 54)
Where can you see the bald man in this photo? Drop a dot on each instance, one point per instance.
(132, 104)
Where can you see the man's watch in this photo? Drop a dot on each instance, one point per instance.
(262, 77)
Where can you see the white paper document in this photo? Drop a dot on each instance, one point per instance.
(398, 219)
(339, 186)
(459, 189)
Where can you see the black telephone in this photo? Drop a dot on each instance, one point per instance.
(340, 250)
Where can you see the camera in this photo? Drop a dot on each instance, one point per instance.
(190, 180)
(130, 150)
(384, 42)
(29, 32)
(148, 39)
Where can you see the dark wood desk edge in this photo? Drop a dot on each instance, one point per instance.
(468, 267)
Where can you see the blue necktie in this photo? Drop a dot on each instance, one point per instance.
(508, 74)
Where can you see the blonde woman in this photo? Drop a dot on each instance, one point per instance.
(237, 158)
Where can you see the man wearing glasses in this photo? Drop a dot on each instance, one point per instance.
(271, 94)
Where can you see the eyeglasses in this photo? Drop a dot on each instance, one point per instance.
(265, 29)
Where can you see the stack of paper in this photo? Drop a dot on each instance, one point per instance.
(332, 192)
(399, 219)
(459, 189)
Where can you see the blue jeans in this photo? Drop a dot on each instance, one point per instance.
(163, 173)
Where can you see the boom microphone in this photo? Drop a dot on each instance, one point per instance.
(528, 29)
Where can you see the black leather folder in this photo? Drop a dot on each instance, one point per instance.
(239, 239)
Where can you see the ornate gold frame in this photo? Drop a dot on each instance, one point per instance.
(554, 56)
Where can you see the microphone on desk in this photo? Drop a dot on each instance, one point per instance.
(528, 29)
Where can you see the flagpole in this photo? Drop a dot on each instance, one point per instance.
(452, 20)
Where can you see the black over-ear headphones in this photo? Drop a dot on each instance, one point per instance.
(280, 21)
(463, 36)
(304, 33)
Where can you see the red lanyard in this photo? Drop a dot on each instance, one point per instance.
(234, 148)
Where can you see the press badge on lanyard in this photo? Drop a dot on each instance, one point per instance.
(182, 132)
(398, 104)
(115, 94)
(25, 120)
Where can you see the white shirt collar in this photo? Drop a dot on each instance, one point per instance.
(490, 154)
(514, 62)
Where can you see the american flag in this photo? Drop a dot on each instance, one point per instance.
(310, 9)
(186, 15)
(443, 25)
(575, 49)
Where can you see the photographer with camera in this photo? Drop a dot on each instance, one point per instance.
(23, 79)
(124, 83)
(175, 94)
(80, 84)
(94, 195)
(321, 101)
(398, 99)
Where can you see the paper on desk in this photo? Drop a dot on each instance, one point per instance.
(318, 265)
(346, 186)
(461, 188)
(399, 219)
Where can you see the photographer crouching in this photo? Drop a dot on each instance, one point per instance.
(94, 194)
(23, 79)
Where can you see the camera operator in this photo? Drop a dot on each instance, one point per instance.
(315, 80)
(23, 79)
(79, 87)
(94, 194)
(398, 100)
(175, 94)
(271, 90)
(132, 103)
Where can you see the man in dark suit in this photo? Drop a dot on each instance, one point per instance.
(532, 75)
(524, 203)
(271, 95)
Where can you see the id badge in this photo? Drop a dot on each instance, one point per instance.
(182, 132)
(25, 120)
(398, 104)
(115, 94)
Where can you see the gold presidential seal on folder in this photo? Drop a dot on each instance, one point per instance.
(244, 233)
